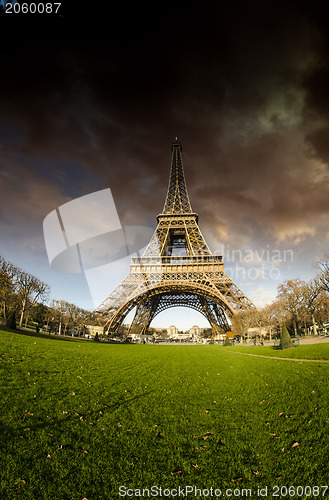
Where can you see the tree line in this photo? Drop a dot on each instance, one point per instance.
(23, 299)
(302, 306)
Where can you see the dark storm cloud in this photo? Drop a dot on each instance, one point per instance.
(318, 104)
(242, 84)
(316, 86)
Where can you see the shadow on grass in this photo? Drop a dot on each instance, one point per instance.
(51, 336)
(60, 425)
(285, 345)
(41, 335)
(278, 348)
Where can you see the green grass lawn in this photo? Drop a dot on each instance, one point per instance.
(314, 351)
(79, 419)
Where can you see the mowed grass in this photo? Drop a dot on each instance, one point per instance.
(79, 419)
(313, 351)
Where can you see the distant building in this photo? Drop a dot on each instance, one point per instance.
(172, 331)
(195, 331)
(93, 329)
(219, 336)
(257, 332)
(142, 339)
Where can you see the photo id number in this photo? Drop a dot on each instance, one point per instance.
(32, 8)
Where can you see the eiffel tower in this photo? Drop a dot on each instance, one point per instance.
(177, 268)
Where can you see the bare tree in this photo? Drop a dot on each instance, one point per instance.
(310, 293)
(247, 319)
(76, 316)
(60, 309)
(8, 274)
(274, 316)
(323, 267)
(69, 316)
(30, 291)
(291, 297)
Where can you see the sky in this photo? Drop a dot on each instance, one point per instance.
(92, 102)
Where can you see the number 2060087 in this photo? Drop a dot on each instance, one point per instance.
(299, 491)
(32, 8)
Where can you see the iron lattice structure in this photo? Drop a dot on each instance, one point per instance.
(177, 268)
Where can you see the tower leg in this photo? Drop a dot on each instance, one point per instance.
(143, 316)
(215, 316)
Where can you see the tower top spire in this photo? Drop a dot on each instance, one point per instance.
(176, 143)
(177, 200)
